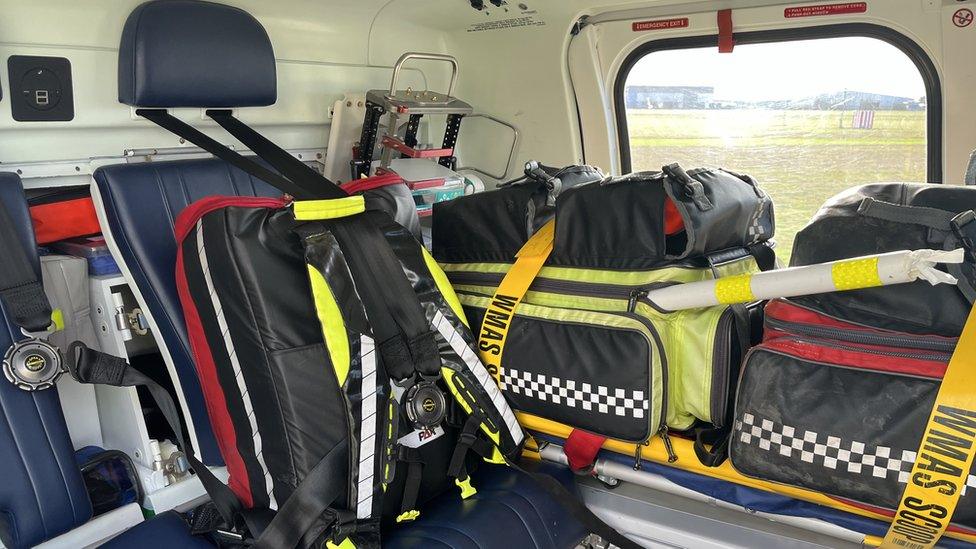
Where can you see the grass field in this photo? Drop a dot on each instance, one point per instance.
(801, 158)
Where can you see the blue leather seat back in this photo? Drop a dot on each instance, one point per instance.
(42, 493)
(140, 203)
(188, 53)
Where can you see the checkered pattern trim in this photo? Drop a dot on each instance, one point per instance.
(568, 392)
(829, 451)
(756, 229)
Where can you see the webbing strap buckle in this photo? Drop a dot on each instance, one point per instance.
(964, 228)
(344, 526)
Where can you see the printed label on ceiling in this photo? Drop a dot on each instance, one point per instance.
(660, 24)
(527, 19)
(826, 9)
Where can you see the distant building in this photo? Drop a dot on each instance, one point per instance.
(668, 97)
(702, 97)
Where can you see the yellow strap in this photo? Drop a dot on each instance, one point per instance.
(508, 295)
(315, 210)
(945, 454)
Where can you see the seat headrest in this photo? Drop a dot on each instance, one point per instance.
(188, 53)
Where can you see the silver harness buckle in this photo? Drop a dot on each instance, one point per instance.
(33, 364)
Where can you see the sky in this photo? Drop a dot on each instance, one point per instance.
(785, 70)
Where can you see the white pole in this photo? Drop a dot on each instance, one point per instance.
(848, 274)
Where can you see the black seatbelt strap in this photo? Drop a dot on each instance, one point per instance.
(87, 365)
(165, 120)
(308, 504)
(294, 169)
(411, 486)
(22, 293)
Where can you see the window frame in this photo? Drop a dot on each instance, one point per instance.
(924, 64)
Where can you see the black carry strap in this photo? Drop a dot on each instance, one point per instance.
(304, 508)
(23, 295)
(294, 169)
(932, 218)
(764, 255)
(165, 120)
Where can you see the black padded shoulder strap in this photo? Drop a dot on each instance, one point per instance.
(22, 293)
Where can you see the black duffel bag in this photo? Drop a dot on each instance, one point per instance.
(641, 220)
(887, 217)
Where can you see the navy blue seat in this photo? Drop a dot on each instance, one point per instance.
(42, 493)
(508, 511)
(140, 203)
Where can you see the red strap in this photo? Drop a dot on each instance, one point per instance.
(581, 448)
(725, 40)
(370, 183)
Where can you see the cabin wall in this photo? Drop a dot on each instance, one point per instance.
(521, 65)
(322, 52)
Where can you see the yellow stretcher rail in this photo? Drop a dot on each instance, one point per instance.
(688, 461)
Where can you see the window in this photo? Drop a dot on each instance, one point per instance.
(807, 118)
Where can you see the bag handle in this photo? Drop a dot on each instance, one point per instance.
(693, 188)
(961, 225)
(933, 218)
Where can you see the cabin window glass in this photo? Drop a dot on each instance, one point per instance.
(806, 118)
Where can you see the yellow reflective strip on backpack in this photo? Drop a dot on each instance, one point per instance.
(313, 210)
(945, 454)
(444, 285)
(333, 326)
(501, 309)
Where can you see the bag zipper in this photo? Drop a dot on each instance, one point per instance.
(932, 356)
(861, 337)
(722, 354)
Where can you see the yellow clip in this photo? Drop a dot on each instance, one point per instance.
(466, 489)
(57, 319)
(408, 515)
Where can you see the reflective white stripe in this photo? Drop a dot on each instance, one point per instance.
(367, 428)
(470, 358)
(232, 353)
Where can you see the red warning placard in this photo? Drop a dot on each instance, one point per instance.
(826, 9)
(660, 24)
